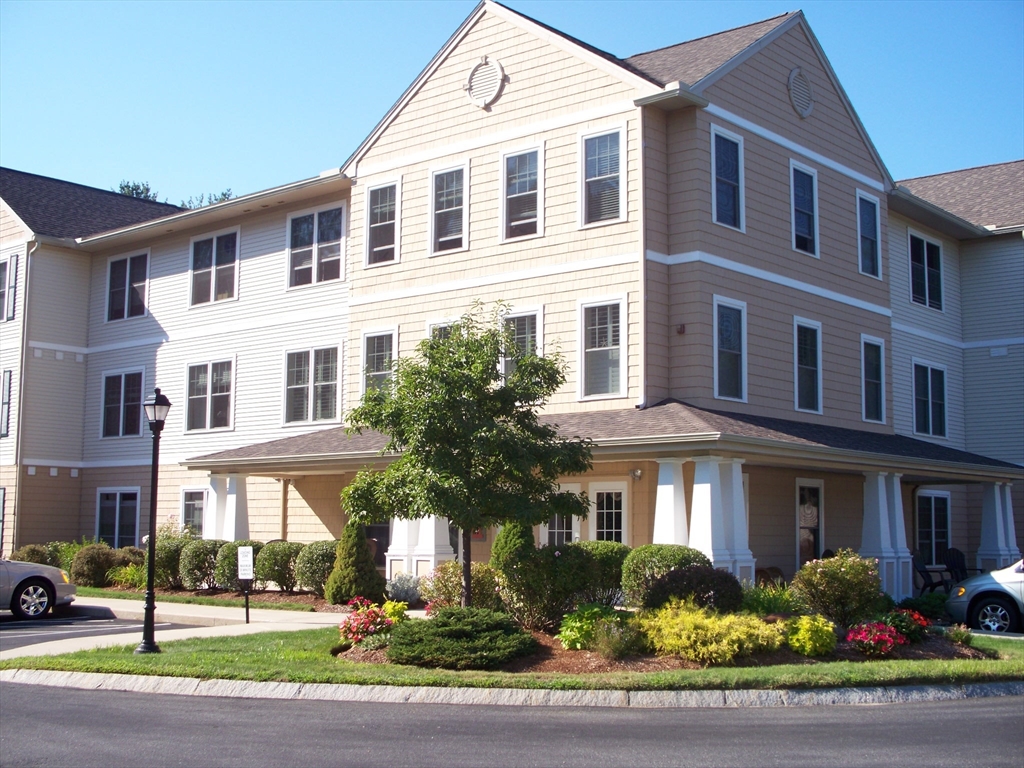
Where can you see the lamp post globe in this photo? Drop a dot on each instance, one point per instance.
(156, 408)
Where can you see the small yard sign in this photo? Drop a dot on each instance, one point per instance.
(244, 563)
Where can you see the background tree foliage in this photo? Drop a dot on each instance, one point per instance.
(142, 190)
(470, 447)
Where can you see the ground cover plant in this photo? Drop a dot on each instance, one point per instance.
(459, 638)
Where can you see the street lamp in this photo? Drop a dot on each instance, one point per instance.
(156, 413)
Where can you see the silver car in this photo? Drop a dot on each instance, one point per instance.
(992, 601)
(30, 590)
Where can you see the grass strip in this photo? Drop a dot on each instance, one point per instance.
(226, 602)
(304, 657)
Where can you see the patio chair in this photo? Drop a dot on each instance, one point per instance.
(956, 564)
(931, 580)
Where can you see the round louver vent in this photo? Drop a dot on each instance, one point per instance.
(484, 82)
(800, 94)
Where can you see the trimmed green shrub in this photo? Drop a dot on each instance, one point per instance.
(706, 586)
(645, 565)
(276, 562)
(604, 582)
(314, 564)
(170, 541)
(226, 571)
(459, 638)
(198, 563)
(772, 597)
(576, 631)
(32, 553)
(541, 585)
(931, 606)
(90, 566)
(811, 635)
(131, 576)
(844, 588)
(61, 554)
(443, 587)
(129, 556)
(354, 574)
(512, 542)
(404, 587)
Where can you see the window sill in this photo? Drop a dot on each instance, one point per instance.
(307, 286)
(214, 430)
(927, 306)
(730, 227)
(868, 274)
(812, 413)
(317, 423)
(521, 238)
(392, 262)
(604, 223)
(731, 399)
(207, 304)
(807, 253)
(125, 319)
(609, 396)
(435, 254)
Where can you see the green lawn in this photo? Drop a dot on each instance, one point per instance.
(305, 657)
(224, 602)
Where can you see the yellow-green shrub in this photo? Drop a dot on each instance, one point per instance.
(811, 635)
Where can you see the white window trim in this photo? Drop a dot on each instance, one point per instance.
(862, 195)
(581, 339)
(865, 339)
(203, 489)
(537, 310)
(238, 264)
(339, 382)
(316, 228)
(539, 149)
(147, 252)
(103, 389)
(393, 332)
(592, 490)
(795, 165)
(464, 167)
(138, 510)
(581, 174)
(397, 184)
(942, 271)
(949, 528)
(735, 137)
(10, 290)
(809, 482)
(915, 361)
(234, 395)
(571, 488)
(806, 323)
(742, 306)
(436, 323)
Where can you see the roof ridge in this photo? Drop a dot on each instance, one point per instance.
(713, 34)
(959, 170)
(91, 189)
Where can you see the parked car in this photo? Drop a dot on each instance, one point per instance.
(30, 590)
(991, 601)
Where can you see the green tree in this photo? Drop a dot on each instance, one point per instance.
(140, 189)
(207, 199)
(354, 574)
(468, 441)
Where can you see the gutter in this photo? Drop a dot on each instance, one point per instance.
(901, 199)
(675, 95)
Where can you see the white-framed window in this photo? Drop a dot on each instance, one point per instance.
(3, 289)
(602, 345)
(929, 399)
(807, 365)
(449, 209)
(925, 271)
(127, 280)
(730, 320)
(727, 179)
(440, 329)
(803, 192)
(526, 326)
(5, 404)
(872, 376)
(378, 355)
(522, 182)
(383, 223)
(932, 525)
(215, 266)
(609, 511)
(869, 234)
(210, 399)
(315, 245)
(561, 529)
(311, 385)
(810, 519)
(193, 506)
(8, 286)
(122, 403)
(117, 516)
(602, 177)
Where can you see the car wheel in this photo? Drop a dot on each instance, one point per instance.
(994, 614)
(32, 599)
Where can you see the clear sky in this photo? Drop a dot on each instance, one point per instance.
(197, 97)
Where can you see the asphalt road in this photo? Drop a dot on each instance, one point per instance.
(42, 726)
(17, 634)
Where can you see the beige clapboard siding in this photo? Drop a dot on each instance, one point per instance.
(994, 406)
(9, 483)
(905, 349)
(659, 331)
(11, 229)
(758, 91)
(948, 322)
(993, 287)
(59, 280)
(48, 506)
(656, 180)
(52, 417)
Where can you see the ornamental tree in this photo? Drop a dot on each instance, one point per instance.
(461, 416)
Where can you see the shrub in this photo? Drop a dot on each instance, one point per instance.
(931, 606)
(442, 588)
(170, 541)
(276, 563)
(314, 564)
(366, 619)
(959, 634)
(395, 610)
(644, 565)
(459, 638)
(61, 554)
(577, 629)
(844, 588)
(131, 576)
(772, 597)
(702, 636)
(875, 638)
(129, 556)
(706, 586)
(542, 585)
(90, 566)
(354, 570)
(911, 624)
(618, 636)
(226, 570)
(513, 541)
(811, 635)
(604, 580)
(32, 553)
(404, 587)
(198, 563)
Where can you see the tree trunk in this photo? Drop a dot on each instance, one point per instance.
(467, 573)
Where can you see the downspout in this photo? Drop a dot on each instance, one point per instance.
(642, 401)
(21, 391)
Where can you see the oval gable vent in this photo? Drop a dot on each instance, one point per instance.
(800, 94)
(483, 86)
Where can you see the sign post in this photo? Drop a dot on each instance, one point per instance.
(245, 574)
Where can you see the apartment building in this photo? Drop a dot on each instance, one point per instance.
(705, 232)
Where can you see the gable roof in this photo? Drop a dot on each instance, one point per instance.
(988, 196)
(63, 209)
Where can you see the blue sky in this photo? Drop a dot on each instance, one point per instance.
(196, 97)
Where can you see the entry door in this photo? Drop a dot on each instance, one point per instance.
(808, 523)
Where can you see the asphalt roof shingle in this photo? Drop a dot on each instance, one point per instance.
(992, 195)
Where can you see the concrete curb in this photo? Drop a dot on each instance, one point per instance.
(383, 694)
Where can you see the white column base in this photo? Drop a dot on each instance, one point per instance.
(432, 547)
(670, 505)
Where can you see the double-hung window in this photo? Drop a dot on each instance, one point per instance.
(311, 390)
(524, 331)
(925, 272)
(873, 378)
(932, 526)
(378, 353)
(122, 404)
(449, 210)
(214, 267)
(727, 166)
(117, 517)
(126, 287)
(603, 367)
(3, 289)
(209, 395)
(929, 400)
(193, 503)
(868, 235)
(730, 334)
(314, 252)
(804, 202)
(523, 179)
(608, 512)
(807, 359)
(5, 404)
(382, 224)
(603, 188)
(8, 278)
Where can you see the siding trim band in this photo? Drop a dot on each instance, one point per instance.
(923, 334)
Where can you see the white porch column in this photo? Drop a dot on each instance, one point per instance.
(707, 522)
(734, 512)
(898, 538)
(213, 512)
(236, 510)
(433, 545)
(994, 551)
(1009, 527)
(670, 504)
(404, 538)
(876, 530)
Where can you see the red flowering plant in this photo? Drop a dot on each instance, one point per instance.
(366, 619)
(875, 638)
(908, 623)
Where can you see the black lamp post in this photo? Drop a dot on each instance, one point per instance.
(156, 413)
